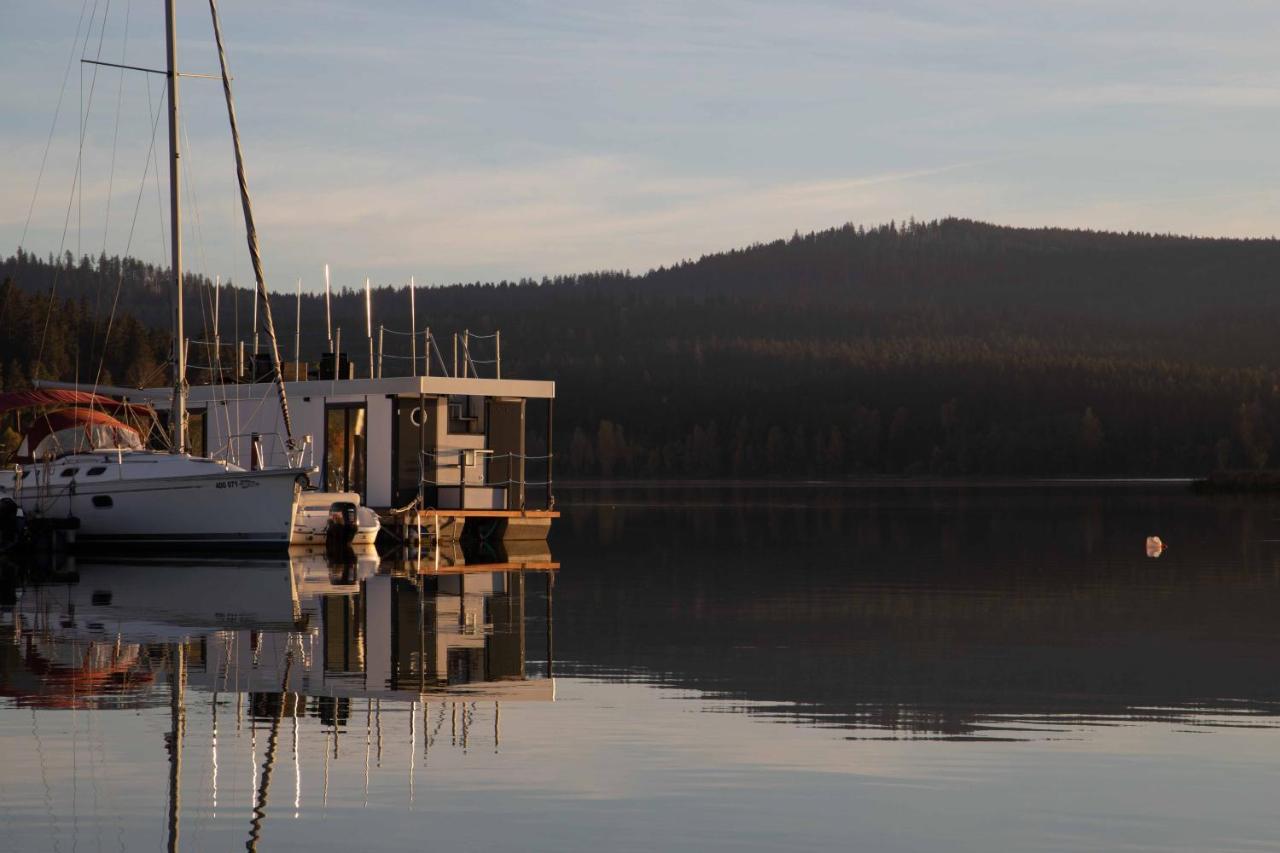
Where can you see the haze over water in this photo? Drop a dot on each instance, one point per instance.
(732, 668)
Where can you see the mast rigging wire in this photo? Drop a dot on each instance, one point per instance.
(57, 110)
(71, 197)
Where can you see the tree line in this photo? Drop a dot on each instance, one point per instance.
(948, 348)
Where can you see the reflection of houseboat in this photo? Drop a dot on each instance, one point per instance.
(366, 629)
(306, 647)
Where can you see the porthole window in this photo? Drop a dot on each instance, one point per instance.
(69, 472)
(95, 471)
(102, 501)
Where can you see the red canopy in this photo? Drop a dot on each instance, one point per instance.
(10, 400)
(81, 419)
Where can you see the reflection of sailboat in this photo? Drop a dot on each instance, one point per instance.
(304, 644)
(369, 628)
(167, 599)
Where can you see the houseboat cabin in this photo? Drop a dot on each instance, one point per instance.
(455, 443)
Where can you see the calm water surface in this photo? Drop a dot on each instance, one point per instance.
(785, 668)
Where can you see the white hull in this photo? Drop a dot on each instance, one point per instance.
(161, 499)
(311, 520)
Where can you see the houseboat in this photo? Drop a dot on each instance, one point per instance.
(431, 454)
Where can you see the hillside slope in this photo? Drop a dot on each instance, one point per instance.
(949, 348)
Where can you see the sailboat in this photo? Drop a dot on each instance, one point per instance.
(83, 462)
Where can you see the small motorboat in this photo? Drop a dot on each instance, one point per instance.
(321, 516)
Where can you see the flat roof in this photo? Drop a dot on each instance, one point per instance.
(400, 386)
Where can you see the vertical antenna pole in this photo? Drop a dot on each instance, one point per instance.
(328, 314)
(368, 321)
(455, 355)
(254, 354)
(217, 338)
(551, 455)
(380, 330)
(178, 410)
(297, 336)
(426, 352)
(497, 358)
(413, 329)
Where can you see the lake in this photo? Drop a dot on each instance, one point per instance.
(745, 668)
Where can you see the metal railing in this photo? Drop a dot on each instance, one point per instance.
(432, 462)
(266, 450)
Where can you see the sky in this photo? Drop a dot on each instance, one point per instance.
(491, 140)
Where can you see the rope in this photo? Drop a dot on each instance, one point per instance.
(57, 110)
(488, 457)
(137, 207)
(111, 178)
(71, 197)
(401, 510)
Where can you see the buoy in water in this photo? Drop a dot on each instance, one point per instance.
(1155, 546)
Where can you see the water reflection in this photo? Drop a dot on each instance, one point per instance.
(931, 613)
(93, 634)
(263, 645)
(772, 669)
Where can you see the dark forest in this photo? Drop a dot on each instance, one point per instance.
(951, 349)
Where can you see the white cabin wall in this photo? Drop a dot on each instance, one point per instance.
(378, 449)
(308, 419)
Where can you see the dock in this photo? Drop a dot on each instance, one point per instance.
(453, 525)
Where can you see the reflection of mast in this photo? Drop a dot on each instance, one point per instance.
(268, 763)
(177, 726)
(551, 588)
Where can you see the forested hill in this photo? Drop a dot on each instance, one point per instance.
(946, 348)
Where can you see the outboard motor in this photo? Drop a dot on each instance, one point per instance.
(343, 523)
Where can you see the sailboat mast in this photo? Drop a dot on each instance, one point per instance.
(178, 410)
(251, 233)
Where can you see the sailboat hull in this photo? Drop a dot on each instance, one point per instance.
(216, 507)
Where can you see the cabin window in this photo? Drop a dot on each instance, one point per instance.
(345, 448)
(466, 415)
(103, 501)
(69, 472)
(95, 471)
(197, 432)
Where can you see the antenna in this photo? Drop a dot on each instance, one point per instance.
(413, 330)
(217, 338)
(368, 321)
(328, 315)
(297, 335)
(255, 334)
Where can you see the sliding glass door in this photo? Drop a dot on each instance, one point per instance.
(345, 448)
